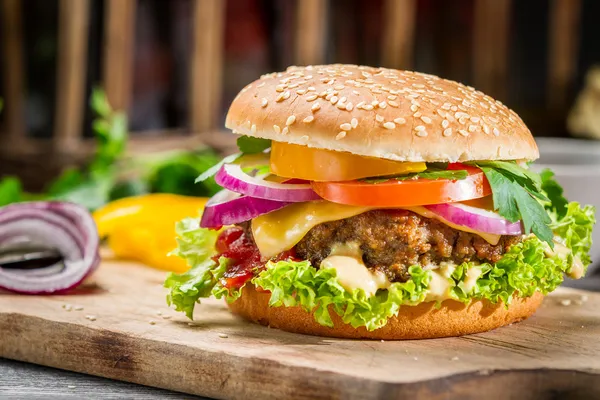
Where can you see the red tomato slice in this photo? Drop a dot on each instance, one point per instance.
(418, 192)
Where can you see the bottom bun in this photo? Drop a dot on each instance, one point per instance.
(422, 321)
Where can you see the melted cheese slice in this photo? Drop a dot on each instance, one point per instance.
(281, 230)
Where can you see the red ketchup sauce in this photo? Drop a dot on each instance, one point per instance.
(245, 257)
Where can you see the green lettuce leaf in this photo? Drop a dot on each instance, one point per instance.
(525, 269)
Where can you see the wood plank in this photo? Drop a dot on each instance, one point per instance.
(490, 46)
(398, 33)
(206, 76)
(71, 77)
(311, 32)
(563, 46)
(119, 35)
(555, 351)
(14, 72)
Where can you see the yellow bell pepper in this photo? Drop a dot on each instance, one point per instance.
(142, 228)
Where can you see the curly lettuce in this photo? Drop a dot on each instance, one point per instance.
(525, 269)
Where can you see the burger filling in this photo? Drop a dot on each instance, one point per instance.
(389, 242)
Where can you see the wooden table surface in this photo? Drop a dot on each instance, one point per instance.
(19, 380)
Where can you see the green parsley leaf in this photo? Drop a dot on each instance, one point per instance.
(252, 145)
(10, 191)
(514, 193)
(554, 192)
(432, 173)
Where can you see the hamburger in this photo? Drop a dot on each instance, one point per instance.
(379, 204)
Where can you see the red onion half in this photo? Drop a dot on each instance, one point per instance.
(232, 177)
(66, 228)
(476, 218)
(228, 208)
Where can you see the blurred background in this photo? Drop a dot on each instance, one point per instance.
(165, 72)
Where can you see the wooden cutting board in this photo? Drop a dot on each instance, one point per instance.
(114, 330)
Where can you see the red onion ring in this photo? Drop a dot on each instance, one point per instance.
(476, 218)
(232, 177)
(228, 208)
(65, 227)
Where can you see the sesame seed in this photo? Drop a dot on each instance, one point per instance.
(78, 308)
(334, 99)
(446, 106)
(414, 108)
(354, 122)
(421, 133)
(447, 132)
(260, 84)
(276, 128)
(285, 130)
(311, 89)
(454, 108)
(368, 107)
(304, 138)
(475, 119)
(301, 91)
(445, 123)
(340, 135)
(312, 97)
(389, 125)
(425, 119)
(343, 99)
(417, 114)
(329, 96)
(393, 103)
(379, 118)
(223, 336)
(400, 121)
(279, 88)
(392, 97)
(315, 107)
(90, 317)
(486, 129)
(253, 128)
(349, 106)
(419, 128)
(286, 95)
(340, 105)
(166, 317)
(323, 94)
(359, 105)
(356, 92)
(346, 126)
(308, 119)
(264, 102)
(462, 120)
(565, 302)
(375, 103)
(472, 128)
(152, 322)
(383, 104)
(279, 98)
(496, 132)
(339, 87)
(463, 132)
(290, 120)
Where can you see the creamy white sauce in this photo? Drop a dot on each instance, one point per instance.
(577, 268)
(352, 273)
(471, 277)
(440, 284)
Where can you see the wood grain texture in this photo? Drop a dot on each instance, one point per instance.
(119, 32)
(71, 74)
(490, 46)
(206, 65)
(13, 72)
(555, 352)
(563, 46)
(398, 33)
(20, 380)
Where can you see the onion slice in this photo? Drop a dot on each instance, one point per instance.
(475, 218)
(232, 177)
(228, 208)
(65, 227)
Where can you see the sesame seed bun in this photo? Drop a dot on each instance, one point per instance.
(423, 321)
(383, 113)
